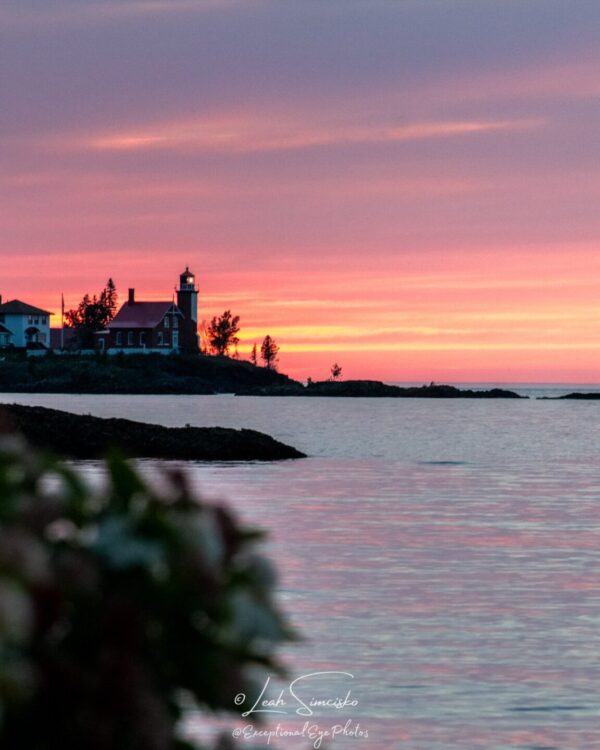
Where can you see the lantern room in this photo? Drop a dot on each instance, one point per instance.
(187, 281)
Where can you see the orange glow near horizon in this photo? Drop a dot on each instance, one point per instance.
(460, 324)
(409, 190)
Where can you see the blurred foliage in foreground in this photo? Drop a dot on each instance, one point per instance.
(120, 605)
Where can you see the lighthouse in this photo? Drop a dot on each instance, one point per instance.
(187, 302)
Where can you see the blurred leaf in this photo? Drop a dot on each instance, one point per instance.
(117, 543)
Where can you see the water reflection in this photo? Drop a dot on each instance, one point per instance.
(447, 555)
(464, 599)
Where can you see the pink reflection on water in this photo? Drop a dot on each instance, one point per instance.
(465, 599)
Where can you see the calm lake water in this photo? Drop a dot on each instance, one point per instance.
(444, 553)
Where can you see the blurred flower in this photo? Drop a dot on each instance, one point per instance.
(116, 602)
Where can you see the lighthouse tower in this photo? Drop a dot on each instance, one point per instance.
(187, 302)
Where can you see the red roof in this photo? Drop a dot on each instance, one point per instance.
(142, 314)
(16, 307)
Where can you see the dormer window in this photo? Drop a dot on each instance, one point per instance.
(175, 321)
(166, 321)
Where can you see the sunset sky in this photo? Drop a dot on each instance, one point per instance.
(409, 187)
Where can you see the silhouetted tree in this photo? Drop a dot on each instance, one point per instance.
(93, 314)
(269, 353)
(336, 371)
(222, 332)
(108, 298)
(254, 355)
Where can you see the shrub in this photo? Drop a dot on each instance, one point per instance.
(118, 605)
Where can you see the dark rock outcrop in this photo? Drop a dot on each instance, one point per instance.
(572, 396)
(82, 436)
(374, 389)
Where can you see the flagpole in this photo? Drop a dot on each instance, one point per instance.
(62, 322)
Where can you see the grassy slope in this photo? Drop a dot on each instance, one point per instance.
(143, 373)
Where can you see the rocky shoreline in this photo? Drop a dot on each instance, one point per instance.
(572, 397)
(372, 389)
(86, 437)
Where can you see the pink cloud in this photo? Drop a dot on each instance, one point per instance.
(273, 134)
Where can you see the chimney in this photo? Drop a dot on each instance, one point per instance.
(0, 299)
(131, 299)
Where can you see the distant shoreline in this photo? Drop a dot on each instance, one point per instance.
(575, 396)
(197, 374)
(375, 389)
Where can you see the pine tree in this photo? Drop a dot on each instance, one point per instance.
(108, 299)
(269, 353)
(254, 355)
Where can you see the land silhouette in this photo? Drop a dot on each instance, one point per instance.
(195, 374)
(83, 437)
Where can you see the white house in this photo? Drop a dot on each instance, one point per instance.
(23, 326)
